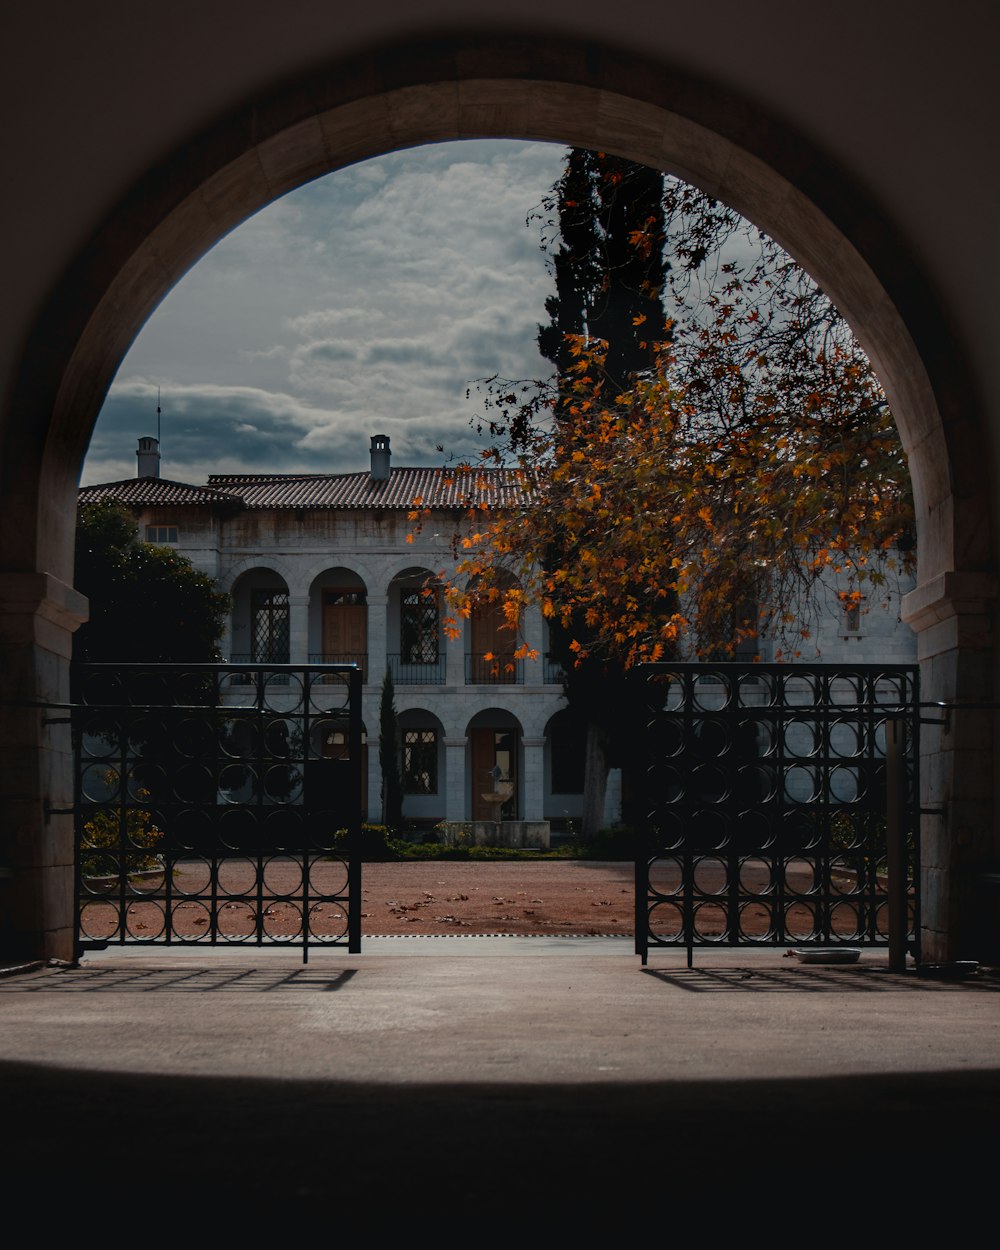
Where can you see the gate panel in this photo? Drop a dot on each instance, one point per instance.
(210, 807)
(767, 798)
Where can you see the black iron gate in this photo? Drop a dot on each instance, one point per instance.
(218, 804)
(783, 807)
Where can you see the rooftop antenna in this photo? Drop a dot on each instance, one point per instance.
(157, 415)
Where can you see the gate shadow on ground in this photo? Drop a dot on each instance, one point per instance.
(255, 980)
(809, 981)
(183, 980)
(490, 1164)
(796, 980)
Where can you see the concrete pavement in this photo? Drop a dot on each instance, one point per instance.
(540, 1079)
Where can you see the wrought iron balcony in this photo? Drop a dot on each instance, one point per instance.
(492, 668)
(552, 671)
(409, 672)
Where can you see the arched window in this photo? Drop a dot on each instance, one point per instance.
(269, 626)
(420, 761)
(419, 626)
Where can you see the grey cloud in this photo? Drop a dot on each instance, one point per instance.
(329, 353)
(364, 301)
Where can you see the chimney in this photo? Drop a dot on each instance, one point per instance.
(380, 457)
(148, 455)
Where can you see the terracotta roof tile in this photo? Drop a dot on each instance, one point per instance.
(156, 491)
(405, 489)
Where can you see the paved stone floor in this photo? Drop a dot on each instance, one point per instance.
(496, 1090)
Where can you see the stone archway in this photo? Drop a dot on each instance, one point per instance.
(479, 88)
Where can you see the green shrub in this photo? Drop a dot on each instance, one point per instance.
(105, 852)
(378, 844)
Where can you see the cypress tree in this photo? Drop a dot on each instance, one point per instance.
(609, 273)
(388, 755)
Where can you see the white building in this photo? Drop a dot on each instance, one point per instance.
(329, 568)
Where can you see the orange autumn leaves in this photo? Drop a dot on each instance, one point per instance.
(662, 525)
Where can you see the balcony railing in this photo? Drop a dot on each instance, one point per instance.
(552, 671)
(360, 658)
(416, 672)
(493, 669)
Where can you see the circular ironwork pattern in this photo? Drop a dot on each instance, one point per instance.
(327, 922)
(199, 816)
(710, 922)
(145, 921)
(278, 690)
(767, 797)
(758, 689)
(100, 783)
(237, 876)
(282, 921)
(191, 876)
(236, 921)
(328, 877)
(665, 922)
(711, 875)
(756, 921)
(99, 921)
(666, 876)
(329, 692)
(712, 691)
(756, 875)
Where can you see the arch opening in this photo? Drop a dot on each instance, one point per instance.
(155, 236)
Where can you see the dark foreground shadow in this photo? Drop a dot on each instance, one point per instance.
(175, 1158)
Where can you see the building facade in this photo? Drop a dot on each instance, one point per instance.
(329, 568)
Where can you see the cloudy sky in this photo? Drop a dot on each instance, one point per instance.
(363, 303)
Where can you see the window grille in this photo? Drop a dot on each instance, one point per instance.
(419, 627)
(269, 638)
(420, 761)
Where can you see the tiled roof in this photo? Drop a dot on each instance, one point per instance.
(405, 489)
(155, 491)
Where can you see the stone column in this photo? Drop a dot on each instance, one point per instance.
(38, 616)
(226, 641)
(298, 629)
(953, 618)
(454, 660)
(613, 797)
(375, 813)
(533, 787)
(454, 772)
(378, 611)
(534, 670)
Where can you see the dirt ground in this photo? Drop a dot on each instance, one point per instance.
(520, 897)
(517, 897)
(567, 897)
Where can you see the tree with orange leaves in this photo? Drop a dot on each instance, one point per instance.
(696, 501)
(702, 502)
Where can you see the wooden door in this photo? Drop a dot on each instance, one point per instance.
(489, 747)
(490, 638)
(345, 627)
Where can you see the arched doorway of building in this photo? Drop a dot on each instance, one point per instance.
(423, 765)
(338, 611)
(495, 765)
(415, 650)
(161, 228)
(493, 643)
(260, 618)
